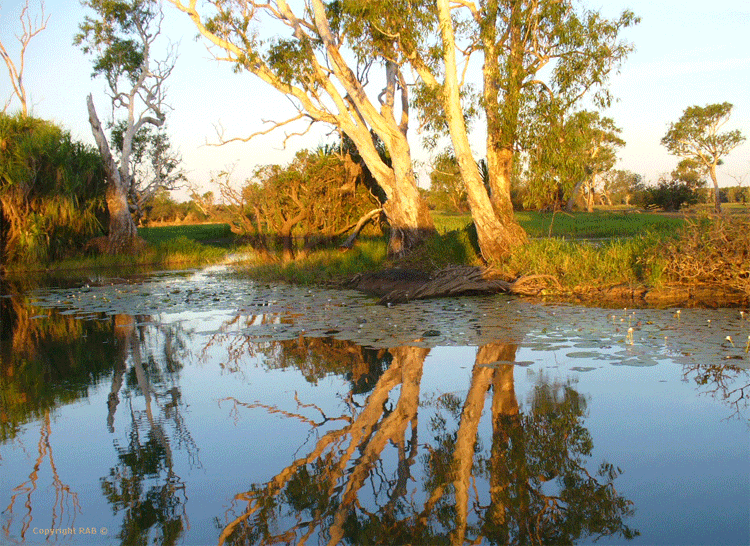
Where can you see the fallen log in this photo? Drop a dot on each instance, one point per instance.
(402, 285)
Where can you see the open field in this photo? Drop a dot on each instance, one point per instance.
(577, 225)
(212, 234)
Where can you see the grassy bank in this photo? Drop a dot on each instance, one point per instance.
(586, 251)
(651, 251)
(625, 250)
(167, 247)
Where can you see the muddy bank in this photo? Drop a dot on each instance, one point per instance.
(399, 285)
(677, 295)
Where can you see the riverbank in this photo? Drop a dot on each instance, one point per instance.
(701, 261)
(704, 263)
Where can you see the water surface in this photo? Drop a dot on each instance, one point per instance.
(199, 408)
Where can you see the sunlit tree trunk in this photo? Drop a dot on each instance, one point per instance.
(495, 235)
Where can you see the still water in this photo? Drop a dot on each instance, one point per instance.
(198, 408)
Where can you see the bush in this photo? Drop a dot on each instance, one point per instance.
(669, 195)
(51, 191)
(713, 250)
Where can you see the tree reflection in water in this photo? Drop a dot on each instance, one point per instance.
(144, 484)
(727, 381)
(48, 360)
(373, 480)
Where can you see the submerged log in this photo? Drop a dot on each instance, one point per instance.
(402, 285)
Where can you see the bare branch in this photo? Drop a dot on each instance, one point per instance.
(30, 29)
(275, 125)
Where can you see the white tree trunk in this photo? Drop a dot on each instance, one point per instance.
(495, 240)
(122, 230)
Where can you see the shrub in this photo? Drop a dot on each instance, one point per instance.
(51, 191)
(711, 250)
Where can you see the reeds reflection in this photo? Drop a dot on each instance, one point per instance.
(376, 474)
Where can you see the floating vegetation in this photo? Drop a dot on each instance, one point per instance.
(273, 312)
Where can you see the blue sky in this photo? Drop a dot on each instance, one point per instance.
(687, 53)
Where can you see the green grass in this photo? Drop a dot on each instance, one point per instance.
(575, 225)
(325, 265)
(168, 246)
(213, 234)
(445, 221)
(595, 225)
(632, 261)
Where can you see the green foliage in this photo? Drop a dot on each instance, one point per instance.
(51, 191)
(447, 191)
(108, 37)
(620, 186)
(565, 154)
(690, 172)
(669, 195)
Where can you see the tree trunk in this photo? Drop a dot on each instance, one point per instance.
(573, 196)
(122, 231)
(404, 208)
(717, 193)
(502, 117)
(496, 235)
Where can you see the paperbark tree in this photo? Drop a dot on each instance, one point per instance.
(520, 42)
(121, 37)
(696, 135)
(311, 66)
(497, 230)
(29, 29)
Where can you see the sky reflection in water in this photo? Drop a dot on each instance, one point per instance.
(194, 408)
